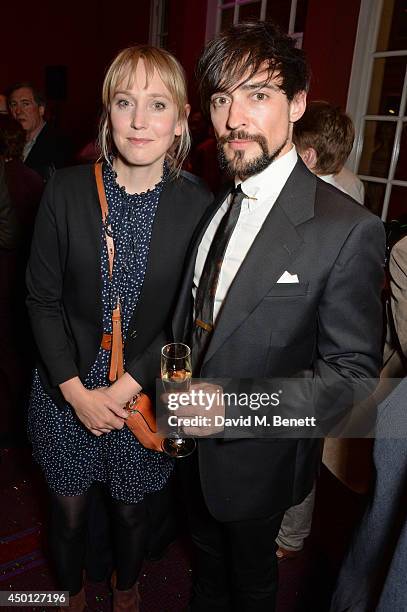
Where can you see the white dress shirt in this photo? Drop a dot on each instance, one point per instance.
(262, 190)
(349, 186)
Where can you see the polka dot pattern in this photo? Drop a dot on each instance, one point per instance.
(71, 457)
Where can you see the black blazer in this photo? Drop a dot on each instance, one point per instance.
(51, 150)
(64, 278)
(326, 326)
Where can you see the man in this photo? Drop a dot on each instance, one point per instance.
(296, 292)
(324, 138)
(45, 148)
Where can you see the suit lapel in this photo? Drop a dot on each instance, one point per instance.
(270, 255)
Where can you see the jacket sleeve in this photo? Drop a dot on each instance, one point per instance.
(349, 341)
(45, 279)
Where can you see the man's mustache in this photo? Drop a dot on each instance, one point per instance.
(241, 135)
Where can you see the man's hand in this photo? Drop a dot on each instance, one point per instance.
(94, 408)
(200, 411)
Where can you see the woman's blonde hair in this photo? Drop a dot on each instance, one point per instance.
(172, 74)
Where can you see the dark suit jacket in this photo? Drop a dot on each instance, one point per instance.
(327, 326)
(64, 278)
(51, 150)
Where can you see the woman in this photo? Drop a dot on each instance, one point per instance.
(77, 426)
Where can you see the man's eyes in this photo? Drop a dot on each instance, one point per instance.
(220, 101)
(260, 96)
(22, 103)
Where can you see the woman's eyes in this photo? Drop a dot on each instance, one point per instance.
(155, 105)
(158, 105)
(123, 103)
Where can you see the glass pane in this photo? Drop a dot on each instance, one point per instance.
(401, 168)
(397, 204)
(374, 196)
(378, 141)
(249, 12)
(393, 26)
(227, 18)
(279, 11)
(301, 15)
(387, 85)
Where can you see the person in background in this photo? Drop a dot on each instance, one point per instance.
(25, 188)
(9, 230)
(372, 576)
(324, 138)
(45, 148)
(77, 425)
(9, 240)
(24, 184)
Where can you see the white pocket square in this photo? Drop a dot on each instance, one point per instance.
(288, 278)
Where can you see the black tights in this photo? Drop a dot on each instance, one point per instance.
(68, 540)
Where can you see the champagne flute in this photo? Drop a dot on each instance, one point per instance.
(176, 375)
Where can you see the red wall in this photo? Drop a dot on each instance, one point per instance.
(82, 35)
(186, 28)
(85, 35)
(329, 39)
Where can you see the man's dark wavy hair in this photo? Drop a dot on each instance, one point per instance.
(239, 53)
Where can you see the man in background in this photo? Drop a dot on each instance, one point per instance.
(45, 149)
(324, 138)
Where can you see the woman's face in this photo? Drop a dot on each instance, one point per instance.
(144, 119)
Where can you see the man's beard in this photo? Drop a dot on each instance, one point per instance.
(237, 166)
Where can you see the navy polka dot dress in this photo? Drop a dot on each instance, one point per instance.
(71, 457)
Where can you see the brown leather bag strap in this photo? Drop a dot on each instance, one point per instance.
(105, 210)
(116, 356)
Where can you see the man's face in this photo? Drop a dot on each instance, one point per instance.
(253, 124)
(25, 109)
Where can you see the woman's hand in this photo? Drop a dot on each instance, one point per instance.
(123, 389)
(96, 409)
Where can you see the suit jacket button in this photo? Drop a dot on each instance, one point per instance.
(133, 334)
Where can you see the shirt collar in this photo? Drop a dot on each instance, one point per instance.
(270, 181)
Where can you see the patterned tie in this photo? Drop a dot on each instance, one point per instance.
(205, 294)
